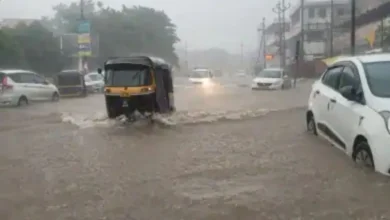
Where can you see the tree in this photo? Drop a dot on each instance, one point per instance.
(11, 53)
(121, 32)
(40, 48)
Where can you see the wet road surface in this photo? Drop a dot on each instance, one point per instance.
(260, 164)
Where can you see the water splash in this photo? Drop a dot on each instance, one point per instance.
(181, 117)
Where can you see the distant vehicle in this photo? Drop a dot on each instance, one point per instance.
(71, 83)
(201, 76)
(20, 87)
(94, 82)
(350, 107)
(241, 73)
(271, 78)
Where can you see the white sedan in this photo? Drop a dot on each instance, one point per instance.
(350, 107)
(272, 78)
(94, 82)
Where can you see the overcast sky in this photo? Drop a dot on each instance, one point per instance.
(202, 23)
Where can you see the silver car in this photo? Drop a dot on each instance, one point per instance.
(94, 82)
(20, 87)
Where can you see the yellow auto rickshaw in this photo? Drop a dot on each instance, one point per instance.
(137, 83)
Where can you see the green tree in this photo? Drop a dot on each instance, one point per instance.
(40, 49)
(122, 32)
(11, 53)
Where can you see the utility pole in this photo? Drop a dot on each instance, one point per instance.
(82, 18)
(353, 26)
(264, 44)
(302, 35)
(261, 31)
(242, 55)
(331, 27)
(281, 9)
(186, 56)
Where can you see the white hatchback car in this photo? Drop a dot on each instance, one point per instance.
(350, 107)
(19, 87)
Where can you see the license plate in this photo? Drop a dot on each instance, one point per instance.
(125, 94)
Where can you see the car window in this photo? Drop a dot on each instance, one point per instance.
(349, 78)
(27, 78)
(332, 76)
(39, 79)
(16, 77)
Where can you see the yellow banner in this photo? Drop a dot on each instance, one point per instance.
(85, 53)
(371, 38)
(84, 39)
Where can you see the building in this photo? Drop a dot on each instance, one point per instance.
(316, 26)
(368, 17)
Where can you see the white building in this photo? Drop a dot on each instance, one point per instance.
(316, 26)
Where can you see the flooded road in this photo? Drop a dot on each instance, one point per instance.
(233, 154)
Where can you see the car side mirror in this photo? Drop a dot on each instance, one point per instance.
(349, 92)
(46, 82)
(99, 70)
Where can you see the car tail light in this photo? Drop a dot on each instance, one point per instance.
(5, 85)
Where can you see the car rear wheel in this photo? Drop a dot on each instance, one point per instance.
(362, 155)
(55, 97)
(23, 101)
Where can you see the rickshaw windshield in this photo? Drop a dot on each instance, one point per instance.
(128, 76)
(69, 79)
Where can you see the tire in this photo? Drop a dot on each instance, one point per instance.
(283, 87)
(311, 124)
(362, 155)
(55, 97)
(111, 113)
(23, 101)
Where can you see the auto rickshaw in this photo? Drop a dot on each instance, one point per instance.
(137, 83)
(70, 83)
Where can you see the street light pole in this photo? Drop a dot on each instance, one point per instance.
(331, 26)
(264, 44)
(353, 26)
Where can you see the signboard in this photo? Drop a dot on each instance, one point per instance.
(84, 39)
(84, 27)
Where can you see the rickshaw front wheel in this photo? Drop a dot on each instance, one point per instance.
(112, 112)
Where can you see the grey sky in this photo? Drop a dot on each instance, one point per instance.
(202, 23)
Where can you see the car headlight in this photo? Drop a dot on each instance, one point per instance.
(386, 117)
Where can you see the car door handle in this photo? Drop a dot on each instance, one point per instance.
(333, 100)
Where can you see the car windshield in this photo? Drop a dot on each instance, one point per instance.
(129, 77)
(378, 78)
(269, 74)
(95, 77)
(200, 74)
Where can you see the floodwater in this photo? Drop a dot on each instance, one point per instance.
(228, 153)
